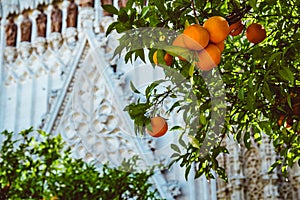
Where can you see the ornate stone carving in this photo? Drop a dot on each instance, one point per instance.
(252, 168)
(173, 188)
(10, 54)
(87, 17)
(26, 26)
(55, 41)
(72, 14)
(11, 30)
(41, 22)
(56, 19)
(40, 2)
(71, 37)
(40, 45)
(93, 120)
(28, 4)
(9, 7)
(106, 2)
(25, 50)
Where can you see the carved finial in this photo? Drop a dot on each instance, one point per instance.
(26, 25)
(86, 3)
(11, 30)
(72, 13)
(41, 22)
(56, 19)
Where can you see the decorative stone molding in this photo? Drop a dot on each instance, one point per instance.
(28, 4)
(55, 41)
(173, 188)
(71, 37)
(9, 6)
(86, 16)
(10, 54)
(25, 50)
(40, 45)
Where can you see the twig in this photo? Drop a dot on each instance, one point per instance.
(194, 10)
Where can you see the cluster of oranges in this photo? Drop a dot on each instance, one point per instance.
(207, 41)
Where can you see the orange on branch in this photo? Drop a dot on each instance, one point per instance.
(280, 120)
(196, 37)
(155, 60)
(168, 59)
(209, 58)
(217, 28)
(159, 127)
(179, 43)
(256, 33)
(236, 28)
(221, 45)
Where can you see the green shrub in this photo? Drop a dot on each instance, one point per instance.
(40, 167)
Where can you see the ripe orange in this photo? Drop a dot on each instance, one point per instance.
(196, 37)
(280, 120)
(155, 60)
(236, 28)
(217, 28)
(221, 46)
(256, 33)
(159, 127)
(209, 58)
(179, 43)
(168, 59)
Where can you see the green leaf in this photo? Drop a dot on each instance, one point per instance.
(241, 94)
(286, 74)
(267, 92)
(203, 120)
(145, 11)
(140, 54)
(175, 148)
(194, 142)
(133, 88)
(123, 16)
(176, 104)
(273, 57)
(150, 88)
(175, 128)
(110, 8)
(187, 171)
(160, 6)
(174, 155)
(253, 4)
(186, 24)
(191, 70)
(110, 28)
(247, 140)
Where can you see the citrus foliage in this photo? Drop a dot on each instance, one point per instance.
(40, 168)
(261, 81)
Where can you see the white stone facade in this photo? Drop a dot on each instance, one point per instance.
(65, 83)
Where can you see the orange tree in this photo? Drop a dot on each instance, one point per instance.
(259, 75)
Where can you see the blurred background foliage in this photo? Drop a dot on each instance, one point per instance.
(36, 165)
